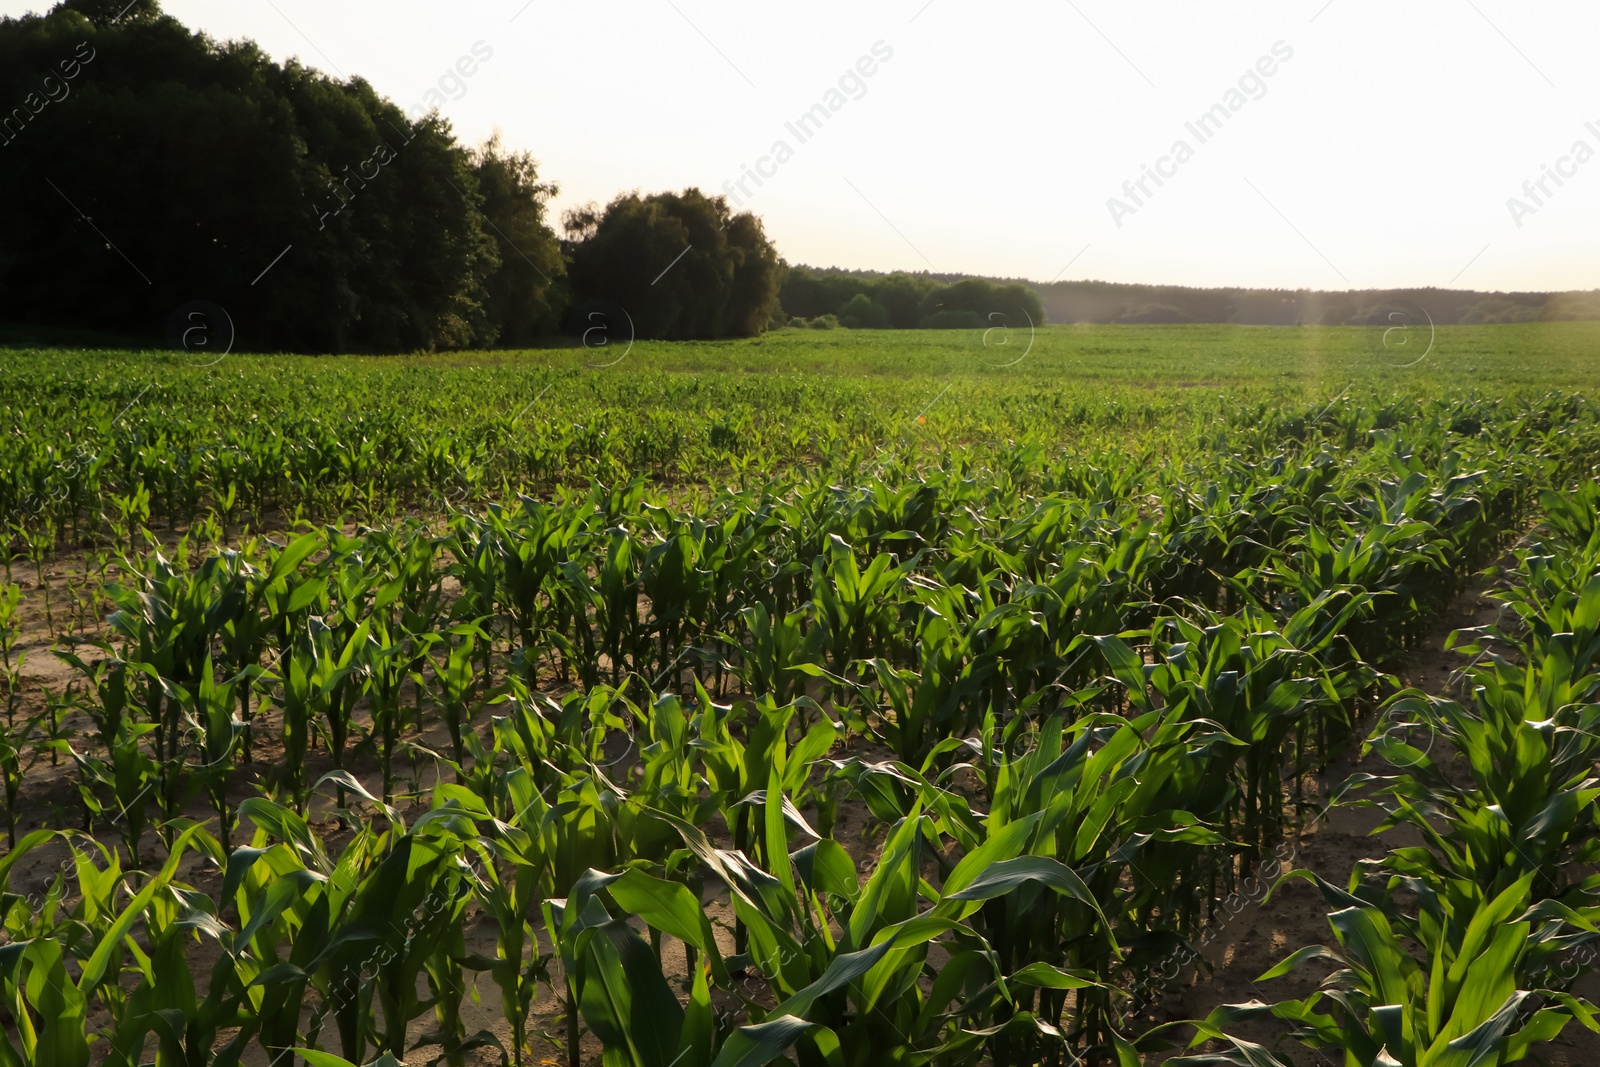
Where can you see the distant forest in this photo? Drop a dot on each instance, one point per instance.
(864, 300)
(844, 294)
(1111, 302)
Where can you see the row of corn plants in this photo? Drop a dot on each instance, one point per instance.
(97, 447)
(1098, 695)
(354, 644)
(1465, 950)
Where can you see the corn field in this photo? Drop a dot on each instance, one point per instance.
(899, 759)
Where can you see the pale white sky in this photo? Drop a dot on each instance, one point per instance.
(1381, 153)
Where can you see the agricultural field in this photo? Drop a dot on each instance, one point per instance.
(1106, 696)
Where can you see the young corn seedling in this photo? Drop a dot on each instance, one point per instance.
(128, 774)
(12, 659)
(19, 754)
(458, 683)
(856, 610)
(52, 981)
(512, 882)
(216, 736)
(777, 646)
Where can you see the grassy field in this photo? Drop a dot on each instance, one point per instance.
(829, 698)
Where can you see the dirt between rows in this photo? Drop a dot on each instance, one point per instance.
(1251, 932)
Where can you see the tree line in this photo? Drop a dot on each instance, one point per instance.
(146, 167)
(902, 301)
(1113, 302)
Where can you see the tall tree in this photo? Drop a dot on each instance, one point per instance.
(169, 168)
(527, 295)
(682, 266)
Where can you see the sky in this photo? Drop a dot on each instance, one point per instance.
(1351, 144)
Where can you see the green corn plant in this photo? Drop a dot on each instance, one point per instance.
(1531, 801)
(386, 661)
(279, 890)
(412, 595)
(1527, 742)
(341, 678)
(293, 585)
(1572, 514)
(639, 758)
(537, 735)
(776, 647)
(669, 778)
(616, 604)
(12, 659)
(557, 752)
(856, 610)
(1382, 560)
(1462, 1005)
(133, 513)
(189, 1028)
(680, 592)
(614, 981)
(406, 555)
(303, 700)
(19, 754)
(973, 659)
(389, 929)
(512, 882)
(51, 981)
(1555, 599)
(458, 682)
(247, 628)
(1253, 681)
(586, 820)
(127, 773)
(529, 543)
(1108, 799)
(168, 620)
(842, 958)
(736, 772)
(217, 736)
(1078, 598)
(39, 539)
(472, 552)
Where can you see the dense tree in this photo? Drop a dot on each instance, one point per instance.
(147, 166)
(863, 313)
(974, 302)
(681, 265)
(811, 293)
(1153, 315)
(1088, 301)
(527, 295)
(106, 12)
(867, 300)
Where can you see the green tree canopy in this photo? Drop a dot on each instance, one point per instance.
(681, 265)
(527, 295)
(147, 166)
(863, 313)
(867, 300)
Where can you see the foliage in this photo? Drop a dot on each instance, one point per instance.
(1076, 692)
(682, 266)
(870, 301)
